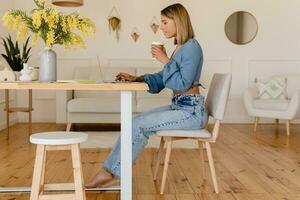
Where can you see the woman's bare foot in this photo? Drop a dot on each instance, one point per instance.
(99, 179)
(114, 182)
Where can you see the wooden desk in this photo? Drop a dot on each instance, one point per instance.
(126, 117)
(9, 110)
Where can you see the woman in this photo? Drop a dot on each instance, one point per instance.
(181, 73)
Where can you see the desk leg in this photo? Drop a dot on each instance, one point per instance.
(126, 145)
(30, 111)
(7, 111)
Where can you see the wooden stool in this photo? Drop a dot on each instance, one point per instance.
(57, 141)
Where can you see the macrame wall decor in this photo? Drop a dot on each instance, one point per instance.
(114, 21)
(154, 25)
(135, 34)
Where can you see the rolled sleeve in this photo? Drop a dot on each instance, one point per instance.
(155, 82)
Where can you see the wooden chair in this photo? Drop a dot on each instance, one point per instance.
(215, 103)
(49, 141)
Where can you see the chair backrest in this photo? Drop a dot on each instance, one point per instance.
(217, 96)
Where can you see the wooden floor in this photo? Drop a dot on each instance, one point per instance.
(260, 166)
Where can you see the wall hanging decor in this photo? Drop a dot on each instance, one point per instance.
(114, 21)
(135, 34)
(68, 3)
(154, 25)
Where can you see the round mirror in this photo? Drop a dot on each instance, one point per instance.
(241, 27)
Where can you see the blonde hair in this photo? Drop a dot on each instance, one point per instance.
(184, 27)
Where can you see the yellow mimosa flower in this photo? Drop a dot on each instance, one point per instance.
(22, 31)
(52, 18)
(7, 20)
(72, 21)
(44, 14)
(37, 18)
(64, 24)
(50, 39)
(34, 40)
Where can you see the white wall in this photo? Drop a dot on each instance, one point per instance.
(277, 41)
(5, 5)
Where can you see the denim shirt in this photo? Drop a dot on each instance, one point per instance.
(180, 72)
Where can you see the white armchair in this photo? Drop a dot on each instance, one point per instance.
(277, 109)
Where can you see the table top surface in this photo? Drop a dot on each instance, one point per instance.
(73, 86)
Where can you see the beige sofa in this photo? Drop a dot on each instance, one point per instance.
(104, 106)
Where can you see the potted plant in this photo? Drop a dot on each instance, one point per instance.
(54, 28)
(13, 55)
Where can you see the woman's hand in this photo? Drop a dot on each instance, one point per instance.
(160, 54)
(122, 76)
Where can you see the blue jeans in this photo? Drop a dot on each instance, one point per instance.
(186, 112)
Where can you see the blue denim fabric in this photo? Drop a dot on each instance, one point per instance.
(181, 71)
(186, 112)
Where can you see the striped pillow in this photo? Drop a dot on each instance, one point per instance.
(274, 88)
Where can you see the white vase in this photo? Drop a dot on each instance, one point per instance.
(48, 67)
(26, 73)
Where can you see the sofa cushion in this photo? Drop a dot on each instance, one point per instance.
(165, 93)
(270, 104)
(147, 104)
(96, 105)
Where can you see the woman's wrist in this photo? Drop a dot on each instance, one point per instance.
(139, 79)
(166, 60)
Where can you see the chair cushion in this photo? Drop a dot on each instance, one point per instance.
(201, 133)
(95, 105)
(99, 94)
(271, 104)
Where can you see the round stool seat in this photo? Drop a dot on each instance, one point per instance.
(58, 138)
